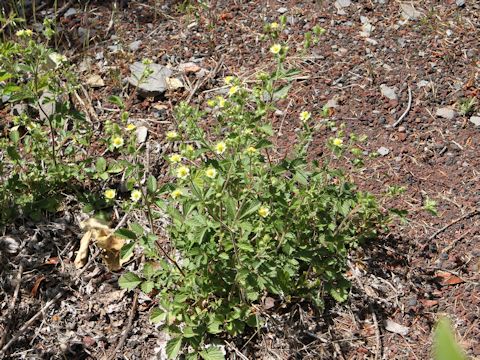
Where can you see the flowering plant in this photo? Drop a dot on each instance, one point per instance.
(245, 223)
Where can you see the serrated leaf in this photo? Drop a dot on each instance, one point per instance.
(151, 184)
(212, 353)
(126, 234)
(245, 247)
(137, 229)
(117, 100)
(147, 286)
(157, 315)
(127, 251)
(129, 281)
(188, 332)
(173, 347)
(101, 165)
(249, 208)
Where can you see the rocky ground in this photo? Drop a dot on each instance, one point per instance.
(403, 73)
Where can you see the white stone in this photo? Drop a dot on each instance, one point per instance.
(446, 113)
(389, 92)
(475, 120)
(383, 151)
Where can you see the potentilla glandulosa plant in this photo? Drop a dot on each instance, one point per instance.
(245, 223)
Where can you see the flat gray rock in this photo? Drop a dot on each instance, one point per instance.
(389, 92)
(409, 12)
(475, 120)
(342, 3)
(383, 151)
(134, 45)
(153, 85)
(446, 113)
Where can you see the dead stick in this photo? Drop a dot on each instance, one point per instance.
(127, 329)
(400, 119)
(200, 83)
(31, 321)
(466, 216)
(12, 305)
(41, 311)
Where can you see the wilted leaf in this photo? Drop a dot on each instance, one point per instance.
(445, 278)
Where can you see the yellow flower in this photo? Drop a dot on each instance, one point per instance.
(251, 150)
(220, 147)
(233, 90)
(130, 127)
(175, 158)
(337, 142)
(24, 33)
(305, 116)
(176, 193)
(274, 26)
(183, 172)
(229, 80)
(136, 195)
(264, 211)
(275, 49)
(221, 102)
(171, 135)
(211, 103)
(117, 141)
(211, 173)
(110, 194)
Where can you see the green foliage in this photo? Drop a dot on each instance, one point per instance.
(246, 223)
(46, 147)
(445, 346)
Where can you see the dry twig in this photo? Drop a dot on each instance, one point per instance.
(466, 216)
(400, 119)
(12, 306)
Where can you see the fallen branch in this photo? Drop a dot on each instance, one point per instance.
(124, 337)
(400, 119)
(12, 306)
(466, 216)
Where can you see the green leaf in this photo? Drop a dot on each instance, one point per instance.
(157, 315)
(151, 184)
(137, 228)
(212, 353)
(191, 356)
(126, 234)
(101, 165)
(117, 100)
(444, 345)
(245, 247)
(127, 250)
(129, 281)
(173, 347)
(188, 332)
(249, 208)
(281, 92)
(147, 286)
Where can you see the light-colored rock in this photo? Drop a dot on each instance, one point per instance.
(475, 120)
(47, 105)
(135, 45)
(446, 113)
(282, 10)
(95, 81)
(70, 12)
(342, 3)
(141, 131)
(153, 85)
(174, 83)
(389, 92)
(409, 12)
(383, 151)
(396, 328)
(189, 67)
